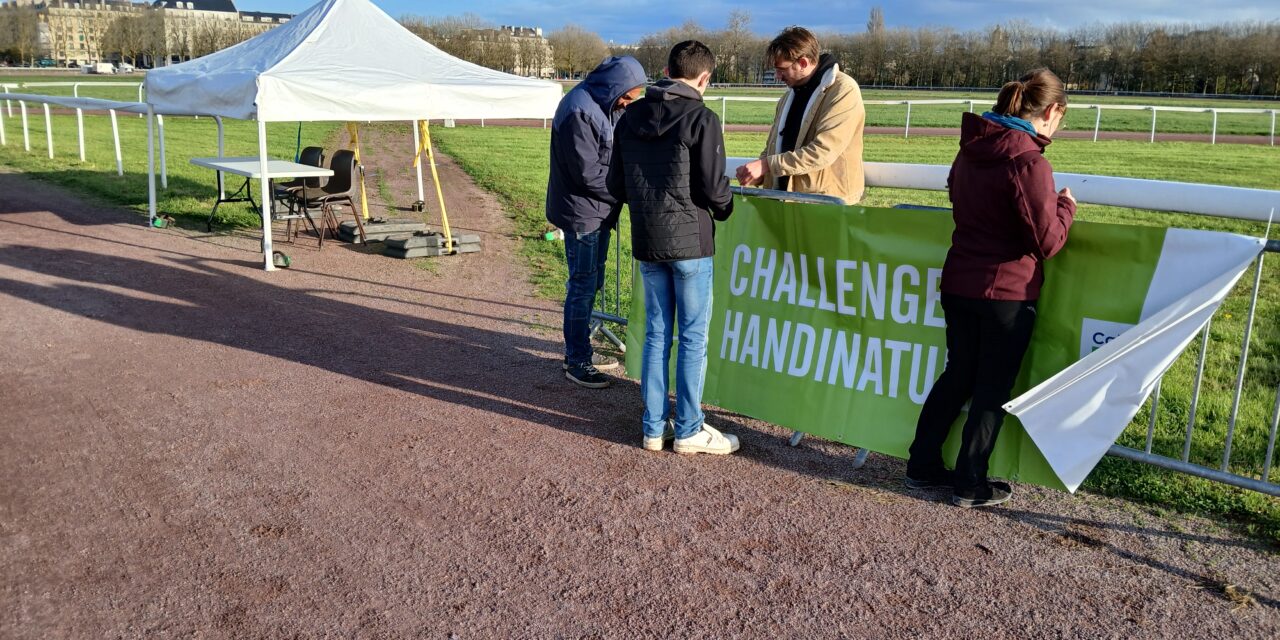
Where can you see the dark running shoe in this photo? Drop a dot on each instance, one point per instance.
(988, 495)
(585, 375)
(944, 478)
(598, 360)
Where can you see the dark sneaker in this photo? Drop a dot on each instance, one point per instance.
(585, 375)
(932, 480)
(989, 495)
(598, 360)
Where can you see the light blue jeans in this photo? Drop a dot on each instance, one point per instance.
(677, 295)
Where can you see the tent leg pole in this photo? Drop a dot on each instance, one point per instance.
(222, 152)
(263, 183)
(151, 167)
(417, 149)
(164, 170)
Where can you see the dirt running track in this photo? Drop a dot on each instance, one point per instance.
(356, 447)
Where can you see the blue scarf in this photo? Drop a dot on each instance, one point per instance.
(1011, 122)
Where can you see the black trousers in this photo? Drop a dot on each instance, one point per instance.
(986, 340)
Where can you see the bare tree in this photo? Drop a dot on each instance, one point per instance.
(575, 49)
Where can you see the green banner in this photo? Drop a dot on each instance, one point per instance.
(828, 320)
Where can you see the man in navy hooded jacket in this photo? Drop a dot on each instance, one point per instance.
(579, 202)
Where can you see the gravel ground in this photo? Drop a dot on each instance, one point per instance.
(362, 447)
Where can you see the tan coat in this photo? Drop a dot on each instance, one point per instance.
(828, 154)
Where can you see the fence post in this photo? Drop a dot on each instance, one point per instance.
(481, 123)
(26, 132)
(724, 113)
(970, 106)
(75, 89)
(1273, 127)
(115, 135)
(1097, 121)
(164, 169)
(1153, 123)
(906, 132)
(4, 140)
(80, 131)
(140, 96)
(1213, 138)
(48, 130)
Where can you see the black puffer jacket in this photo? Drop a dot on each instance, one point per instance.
(668, 165)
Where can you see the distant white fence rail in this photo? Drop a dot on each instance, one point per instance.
(80, 105)
(1097, 121)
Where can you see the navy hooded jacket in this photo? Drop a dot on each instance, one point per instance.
(578, 199)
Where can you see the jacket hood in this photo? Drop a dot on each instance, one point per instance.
(665, 104)
(982, 140)
(614, 76)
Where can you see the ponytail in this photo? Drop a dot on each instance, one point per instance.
(1031, 94)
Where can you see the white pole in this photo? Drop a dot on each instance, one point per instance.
(26, 132)
(266, 197)
(164, 170)
(906, 132)
(1153, 123)
(151, 167)
(1213, 139)
(724, 113)
(139, 96)
(481, 123)
(4, 140)
(417, 150)
(48, 130)
(75, 89)
(1097, 121)
(222, 152)
(115, 135)
(80, 131)
(1273, 129)
(970, 106)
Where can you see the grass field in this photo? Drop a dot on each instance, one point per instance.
(511, 162)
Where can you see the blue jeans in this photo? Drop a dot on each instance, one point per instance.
(585, 254)
(676, 295)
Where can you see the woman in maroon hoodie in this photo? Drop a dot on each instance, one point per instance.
(1009, 220)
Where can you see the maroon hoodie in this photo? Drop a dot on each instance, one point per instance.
(1009, 218)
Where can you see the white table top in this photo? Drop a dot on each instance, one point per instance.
(250, 167)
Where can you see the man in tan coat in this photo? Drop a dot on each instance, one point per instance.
(815, 143)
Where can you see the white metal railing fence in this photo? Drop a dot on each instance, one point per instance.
(1097, 121)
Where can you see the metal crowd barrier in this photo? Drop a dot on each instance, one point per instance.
(1226, 202)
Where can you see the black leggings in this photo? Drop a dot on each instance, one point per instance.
(986, 340)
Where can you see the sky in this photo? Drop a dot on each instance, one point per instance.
(625, 21)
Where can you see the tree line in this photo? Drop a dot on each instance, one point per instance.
(1236, 58)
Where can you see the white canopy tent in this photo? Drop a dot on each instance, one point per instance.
(346, 61)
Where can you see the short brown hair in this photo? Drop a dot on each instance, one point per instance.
(1031, 94)
(792, 44)
(690, 59)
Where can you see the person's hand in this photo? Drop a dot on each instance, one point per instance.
(1066, 191)
(751, 173)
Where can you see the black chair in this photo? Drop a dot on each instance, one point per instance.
(290, 192)
(339, 190)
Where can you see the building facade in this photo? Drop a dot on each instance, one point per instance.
(523, 51)
(82, 32)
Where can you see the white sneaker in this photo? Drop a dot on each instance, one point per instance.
(655, 444)
(708, 440)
